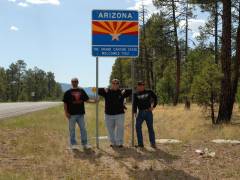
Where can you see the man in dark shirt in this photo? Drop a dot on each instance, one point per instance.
(74, 109)
(145, 101)
(114, 111)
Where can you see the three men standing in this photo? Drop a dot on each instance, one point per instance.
(144, 101)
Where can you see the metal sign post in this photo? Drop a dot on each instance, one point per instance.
(97, 105)
(133, 82)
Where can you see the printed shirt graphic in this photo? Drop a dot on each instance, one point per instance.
(143, 100)
(74, 98)
(143, 96)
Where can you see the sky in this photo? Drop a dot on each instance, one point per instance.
(55, 35)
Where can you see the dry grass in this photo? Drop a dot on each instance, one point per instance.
(34, 146)
(175, 122)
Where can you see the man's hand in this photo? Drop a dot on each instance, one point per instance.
(96, 100)
(93, 100)
(135, 115)
(151, 109)
(67, 115)
(94, 89)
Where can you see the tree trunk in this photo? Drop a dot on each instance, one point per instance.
(186, 33)
(236, 67)
(216, 31)
(212, 108)
(178, 58)
(153, 87)
(147, 66)
(225, 110)
(187, 101)
(140, 71)
(121, 73)
(187, 104)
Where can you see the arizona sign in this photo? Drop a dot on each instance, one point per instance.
(115, 33)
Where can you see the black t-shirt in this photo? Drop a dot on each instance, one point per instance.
(114, 100)
(74, 98)
(143, 100)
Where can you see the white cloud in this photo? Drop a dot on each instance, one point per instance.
(196, 34)
(23, 4)
(26, 3)
(194, 25)
(148, 5)
(14, 28)
(52, 2)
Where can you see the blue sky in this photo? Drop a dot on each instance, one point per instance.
(55, 35)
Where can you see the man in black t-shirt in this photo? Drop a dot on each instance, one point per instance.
(74, 109)
(114, 111)
(145, 101)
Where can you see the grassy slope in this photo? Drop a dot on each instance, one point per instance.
(34, 146)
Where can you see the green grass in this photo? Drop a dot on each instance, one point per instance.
(54, 120)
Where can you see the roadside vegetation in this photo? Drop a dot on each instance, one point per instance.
(17, 83)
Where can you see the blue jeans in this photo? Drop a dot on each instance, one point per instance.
(79, 119)
(148, 117)
(115, 127)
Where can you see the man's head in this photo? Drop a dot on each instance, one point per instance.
(115, 84)
(74, 82)
(140, 86)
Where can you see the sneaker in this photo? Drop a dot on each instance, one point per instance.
(154, 146)
(120, 146)
(112, 145)
(86, 147)
(74, 147)
(139, 146)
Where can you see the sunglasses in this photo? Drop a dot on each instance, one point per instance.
(116, 83)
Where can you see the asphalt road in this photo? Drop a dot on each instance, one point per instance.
(15, 109)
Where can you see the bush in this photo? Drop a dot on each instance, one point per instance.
(166, 85)
(207, 86)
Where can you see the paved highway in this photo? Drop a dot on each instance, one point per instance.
(15, 109)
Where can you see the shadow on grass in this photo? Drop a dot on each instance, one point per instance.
(89, 154)
(141, 155)
(161, 174)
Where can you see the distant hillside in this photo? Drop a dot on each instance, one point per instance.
(65, 86)
(88, 90)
